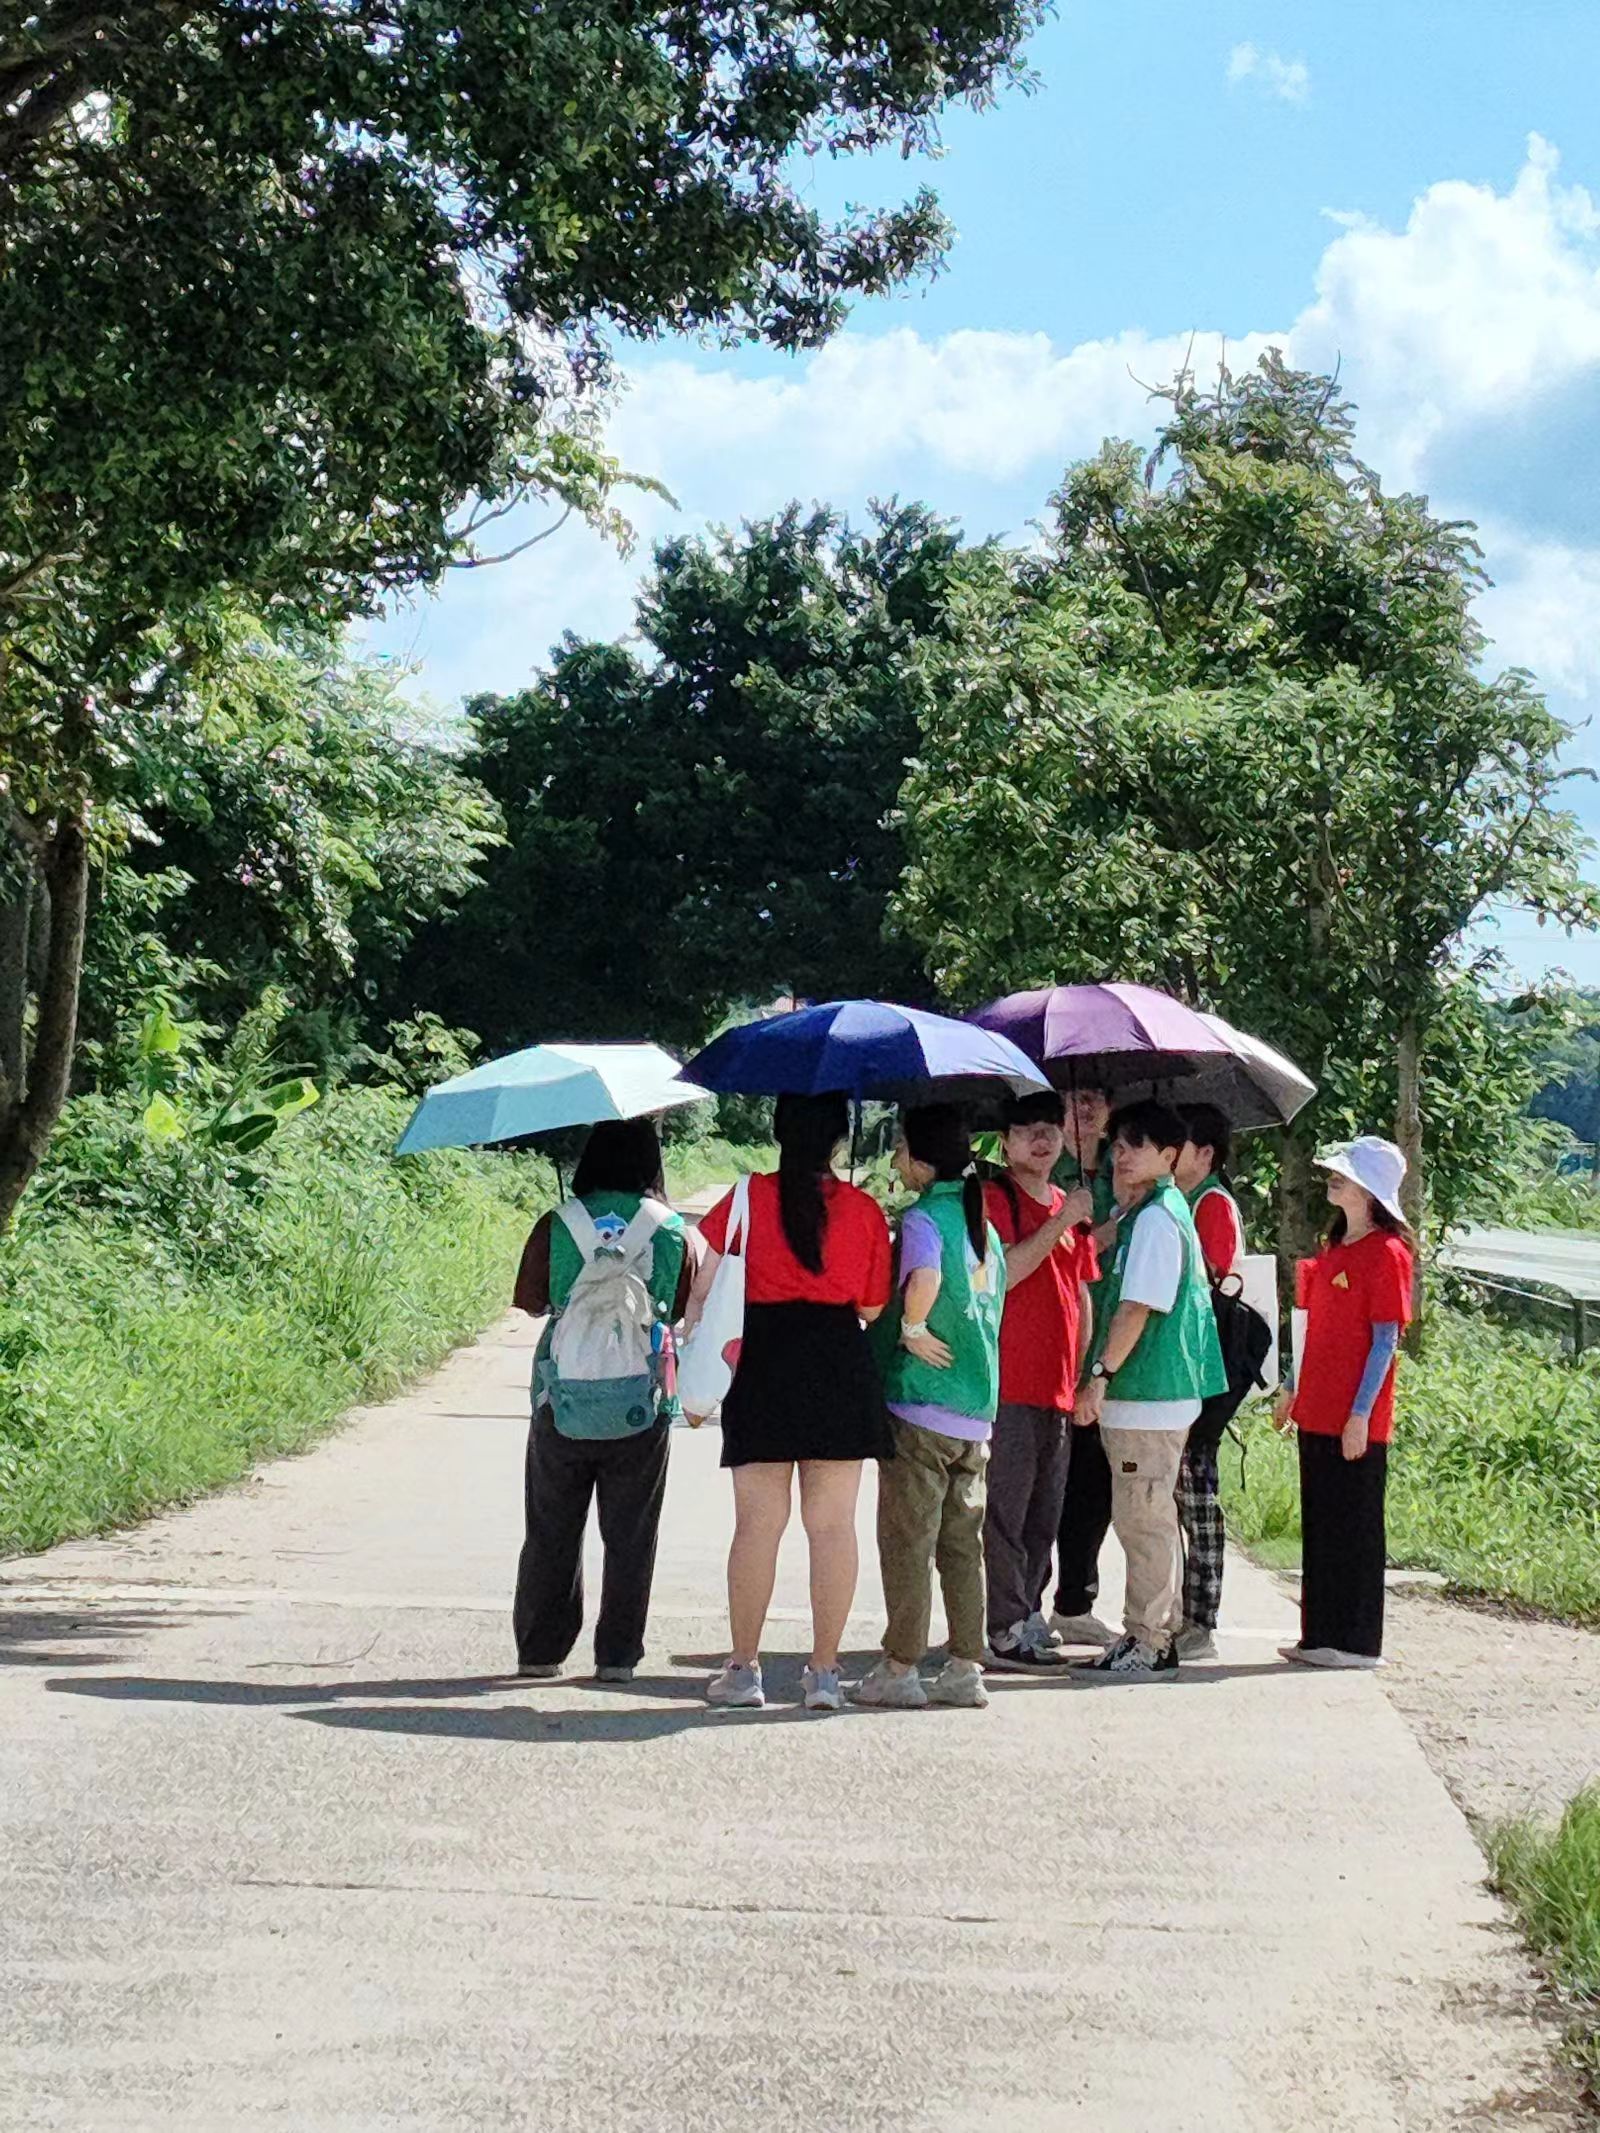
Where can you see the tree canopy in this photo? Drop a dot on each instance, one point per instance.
(1231, 734)
(708, 827)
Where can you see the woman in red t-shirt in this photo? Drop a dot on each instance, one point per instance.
(806, 1391)
(1356, 1296)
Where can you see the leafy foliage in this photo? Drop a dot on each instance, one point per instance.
(707, 828)
(1231, 736)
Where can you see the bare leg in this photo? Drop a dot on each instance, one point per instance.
(760, 1513)
(828, 1492)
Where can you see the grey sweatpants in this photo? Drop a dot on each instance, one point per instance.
(1028, 1457)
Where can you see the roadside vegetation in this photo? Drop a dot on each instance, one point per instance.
(1551, 1875)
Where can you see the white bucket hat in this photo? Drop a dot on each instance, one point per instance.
(1377, 1166)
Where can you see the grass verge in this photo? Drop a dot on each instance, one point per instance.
(1551, 1876)
(1494, 1477)
(172, 1317)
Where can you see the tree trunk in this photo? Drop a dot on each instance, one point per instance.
(1297, 1218)
(29, 1118)
(1408, 1135)
(16, 907)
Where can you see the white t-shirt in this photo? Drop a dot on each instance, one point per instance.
(1152, 1274)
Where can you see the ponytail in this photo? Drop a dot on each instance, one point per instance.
(936, 1134)
(808, 1130)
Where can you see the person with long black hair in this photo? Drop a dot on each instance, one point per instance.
(940, 1347)
(1356, 1295)
(806, 1393)
(606, 1438)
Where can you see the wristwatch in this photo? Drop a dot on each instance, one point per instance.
(1099, 1370)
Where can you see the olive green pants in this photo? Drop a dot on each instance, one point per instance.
(931, 1499)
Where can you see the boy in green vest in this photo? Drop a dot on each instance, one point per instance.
(939, 1348)
(1157, 1358)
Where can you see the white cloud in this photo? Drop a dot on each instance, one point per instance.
(1287, 79)
(1484, 304)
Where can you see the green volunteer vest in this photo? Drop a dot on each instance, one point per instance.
(965, 1316)
(1179, 1356)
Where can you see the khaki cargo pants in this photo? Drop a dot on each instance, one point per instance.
(1144, 1512)
(931, 1499)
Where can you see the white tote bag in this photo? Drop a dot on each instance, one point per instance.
(709, 1354)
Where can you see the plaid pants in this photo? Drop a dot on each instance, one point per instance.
(1200, 1515)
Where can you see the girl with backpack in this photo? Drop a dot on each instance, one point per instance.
(940, 1344)
(1356, 1295)
(612, 1267)
(1201, 1175)
(806, 1394)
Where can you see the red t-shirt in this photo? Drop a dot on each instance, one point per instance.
(1221, 1234)
(1346, 1291)
(1041, 1330)
(857, 1259)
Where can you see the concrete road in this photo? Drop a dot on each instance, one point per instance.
(280, 1845)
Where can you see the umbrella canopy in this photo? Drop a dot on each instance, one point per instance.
(1255, 1087)
(548, 1085)
(1117, 1035)
(864, 1048)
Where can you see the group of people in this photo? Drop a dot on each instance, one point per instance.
(1034, 1361)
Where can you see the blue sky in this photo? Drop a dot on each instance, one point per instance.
(1407, 188)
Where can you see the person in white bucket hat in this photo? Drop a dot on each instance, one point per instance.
(1356, 1295)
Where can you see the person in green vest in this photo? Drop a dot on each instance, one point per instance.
(939, 1348)
(1157, 1358)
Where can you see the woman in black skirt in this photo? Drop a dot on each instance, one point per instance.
(805, 1392)
(1356, 1295)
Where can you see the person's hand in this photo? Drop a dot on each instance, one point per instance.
(1086, 1412)
(1077, 1209)
(1283, 1411)
(927, 1348)
(1354, 1437)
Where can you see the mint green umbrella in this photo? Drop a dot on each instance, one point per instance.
(548, 1085)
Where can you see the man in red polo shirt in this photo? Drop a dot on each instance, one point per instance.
(1044, 1335)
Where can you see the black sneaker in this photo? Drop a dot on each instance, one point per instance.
(1130, 1660)
(1015, 1652)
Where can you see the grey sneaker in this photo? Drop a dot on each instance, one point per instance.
(1324, 1655)
(823, 1688)
(885, 1690)
(1193, 1642)
(541, 1672)
(1039, 1630)
(613, 1673)
(1018, 1651)
(1084, 1629)
(737, 1688)
(960, 1685)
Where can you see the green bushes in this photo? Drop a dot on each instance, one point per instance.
(1552, 1876)
(1494, 1478)
(171, 1312)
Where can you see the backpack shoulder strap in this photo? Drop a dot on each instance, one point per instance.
(579, 1225)
(651, 1217)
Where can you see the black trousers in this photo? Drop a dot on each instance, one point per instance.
(1342, 1546)
(629, 1476)
(1085, 1522)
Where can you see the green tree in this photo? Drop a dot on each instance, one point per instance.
(1232, 735)
(284, 831)
(299, 297)
(710, 827)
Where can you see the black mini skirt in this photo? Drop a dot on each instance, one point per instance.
(806, 1387)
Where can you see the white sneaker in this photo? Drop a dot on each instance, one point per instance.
(1039, 1630)
(1193, 1642)
(1324, 1655)
(885, 1690)
(1084, 1629)
(737, 1688)
(823, 1687)
(960, 1685)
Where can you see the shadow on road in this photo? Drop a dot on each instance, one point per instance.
(71, 1633)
